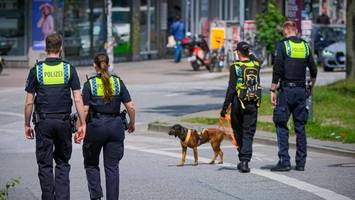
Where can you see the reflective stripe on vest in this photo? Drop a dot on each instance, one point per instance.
(296, 50)
(53, 75)
(97, 88)
(239, 69)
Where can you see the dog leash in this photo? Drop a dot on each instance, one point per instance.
(221, 124)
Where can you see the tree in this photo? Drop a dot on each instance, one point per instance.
(268, 26)
(350, 40)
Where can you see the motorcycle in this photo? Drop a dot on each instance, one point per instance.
(198, 52)
(2, 64)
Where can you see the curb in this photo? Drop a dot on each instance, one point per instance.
(334, 150)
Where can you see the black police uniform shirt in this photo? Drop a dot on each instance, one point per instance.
(279, 64)
(123, 97)
(32, 82)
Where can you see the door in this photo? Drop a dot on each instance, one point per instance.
(148, 24)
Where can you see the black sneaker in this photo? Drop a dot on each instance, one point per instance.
(243, 167)
(299, 168)
(280, 168)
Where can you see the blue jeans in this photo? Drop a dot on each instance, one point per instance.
(291, 100)
(178, 49)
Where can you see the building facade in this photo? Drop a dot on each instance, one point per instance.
(140, 27)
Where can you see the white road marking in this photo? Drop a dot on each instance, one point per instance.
(173, 94)
(11, 114)
(321, 192)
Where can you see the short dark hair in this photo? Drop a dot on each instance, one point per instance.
(54, 42)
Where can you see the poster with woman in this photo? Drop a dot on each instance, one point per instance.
(42, 23)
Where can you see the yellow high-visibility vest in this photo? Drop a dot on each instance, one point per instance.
(296, 50)
(97, 87)
(53, 74)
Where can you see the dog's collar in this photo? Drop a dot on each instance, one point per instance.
(188, 136)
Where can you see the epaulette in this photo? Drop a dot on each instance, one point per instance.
(91, 77)
(114, 75)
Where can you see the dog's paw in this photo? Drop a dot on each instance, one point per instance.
(195, 164)
(180, 164)
(220, 162)
(212, 162)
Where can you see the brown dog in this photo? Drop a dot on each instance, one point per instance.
(191, 138)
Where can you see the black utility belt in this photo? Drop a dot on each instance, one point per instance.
(63, 116)
(99, 115)
(293, 84)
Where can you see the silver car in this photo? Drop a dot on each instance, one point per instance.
(333, 56)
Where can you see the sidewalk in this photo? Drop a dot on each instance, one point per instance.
(260, 136)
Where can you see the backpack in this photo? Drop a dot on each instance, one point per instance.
(248, 86)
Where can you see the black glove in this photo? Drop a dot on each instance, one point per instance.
(223, 113)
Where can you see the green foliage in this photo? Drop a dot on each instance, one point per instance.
(268, 26)
(201, 120)
(4, 193)
(333, 113)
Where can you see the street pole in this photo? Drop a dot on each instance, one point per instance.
(109, 34)
(241, 18)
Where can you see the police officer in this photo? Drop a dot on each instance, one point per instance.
(244, 93)
(103, 95)
(48, 88)
(293, 56)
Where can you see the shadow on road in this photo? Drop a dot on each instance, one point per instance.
(181, 110)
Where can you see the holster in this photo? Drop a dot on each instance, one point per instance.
(124, 119)
(35, 118)
(73, 121)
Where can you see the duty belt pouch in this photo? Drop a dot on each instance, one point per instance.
(124, 119)
(242, 94)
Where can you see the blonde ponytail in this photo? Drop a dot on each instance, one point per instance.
(101, 60)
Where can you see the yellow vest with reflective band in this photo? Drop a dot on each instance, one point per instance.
(53, 74)
(296, 50)
(97, 87)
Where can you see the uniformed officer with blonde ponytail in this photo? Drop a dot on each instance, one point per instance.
(103, 95)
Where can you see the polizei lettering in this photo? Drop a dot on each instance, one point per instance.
(53, 74)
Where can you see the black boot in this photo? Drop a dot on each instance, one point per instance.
(281, 168)
(243, 167)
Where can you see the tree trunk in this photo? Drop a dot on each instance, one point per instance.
(350, 39)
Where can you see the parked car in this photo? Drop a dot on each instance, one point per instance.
(325, 35)
(5, 45)
(333, 56)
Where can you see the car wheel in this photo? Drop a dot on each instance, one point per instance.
(195, 66)
(327, 69)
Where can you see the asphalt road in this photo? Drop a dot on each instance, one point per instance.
(163, 91)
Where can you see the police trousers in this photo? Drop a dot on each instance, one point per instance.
(105, 133)
(243, 123)
(291, 101)
(54, 133)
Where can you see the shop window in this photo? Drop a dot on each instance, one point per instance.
(121, 27)
(12, 34)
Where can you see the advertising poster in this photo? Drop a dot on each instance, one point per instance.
(42, 23)
(217, 34)
(249, 31)
(217, 38)
(294, 9)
